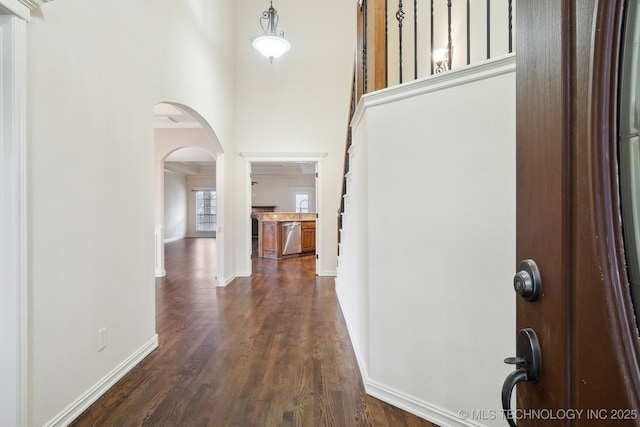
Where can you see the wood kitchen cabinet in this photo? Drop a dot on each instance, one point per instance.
(308, 236)
(271, 242)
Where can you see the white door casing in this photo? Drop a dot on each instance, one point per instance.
(282, 157)
(14, 15)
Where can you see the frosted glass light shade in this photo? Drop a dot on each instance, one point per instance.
(271, 46)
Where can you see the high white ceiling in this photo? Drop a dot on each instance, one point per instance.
(190, 154)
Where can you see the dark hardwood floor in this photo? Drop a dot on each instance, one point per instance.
(270, 350)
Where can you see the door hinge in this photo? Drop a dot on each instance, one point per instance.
(316, 216)
(316, 174)
(317, 256)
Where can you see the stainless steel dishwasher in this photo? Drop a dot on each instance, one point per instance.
(291, 243)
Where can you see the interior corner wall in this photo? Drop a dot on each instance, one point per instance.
(175, 206)
(95, 71)
(432, 310)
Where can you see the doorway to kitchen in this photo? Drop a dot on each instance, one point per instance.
(283, 206)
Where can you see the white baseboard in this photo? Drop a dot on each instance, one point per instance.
(422, 409)
(174, 239)
(76, 408)
(328, 273)
(362, 365)
(224, 282)
(430, 412)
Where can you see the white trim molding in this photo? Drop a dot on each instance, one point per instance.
(422, 409)
(21, 8)
(13, 222)
(286, 157)
(14, 15)
(32, 4)
(283, 157)
(76, 408)
(457, 77)
(159, 244)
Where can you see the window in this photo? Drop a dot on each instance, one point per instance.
(302, 199)
(302, 203)
(206, 210)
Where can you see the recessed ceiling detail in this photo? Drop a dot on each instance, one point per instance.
(169, 116)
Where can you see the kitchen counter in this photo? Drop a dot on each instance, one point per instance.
(271, 240)
(284, 216)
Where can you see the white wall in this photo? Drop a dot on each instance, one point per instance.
(175, 206)
(297, 104)
(275, 191)
(431, 307)
(96, 69)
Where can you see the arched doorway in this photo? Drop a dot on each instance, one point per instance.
(180, 130)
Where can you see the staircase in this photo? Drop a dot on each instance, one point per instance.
(346, 177)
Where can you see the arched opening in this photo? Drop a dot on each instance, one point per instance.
(189, 164)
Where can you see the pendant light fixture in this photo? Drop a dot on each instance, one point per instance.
(272, 44)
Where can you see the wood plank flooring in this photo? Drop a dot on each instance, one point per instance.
(270, 350)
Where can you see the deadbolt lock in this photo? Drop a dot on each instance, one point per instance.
(526, 282)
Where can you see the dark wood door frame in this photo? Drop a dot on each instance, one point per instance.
(568, 215)
(604, 307)
(542, 190)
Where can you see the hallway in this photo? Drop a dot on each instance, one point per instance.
(270, 350)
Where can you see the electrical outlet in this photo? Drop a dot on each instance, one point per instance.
(102, 339)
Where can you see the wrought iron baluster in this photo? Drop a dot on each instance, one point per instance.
(364, 46)
(400, 17)
(445, 57)
(468, 32)
(488, 29)
(449, 41)
(415, 39)
(510, 26)
(431, 38)
(386, 43)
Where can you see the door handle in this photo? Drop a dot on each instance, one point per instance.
(528, 363)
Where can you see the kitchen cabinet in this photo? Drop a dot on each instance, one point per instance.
(272, 240)
(308, 236)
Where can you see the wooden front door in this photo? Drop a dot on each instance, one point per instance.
(569, 216)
